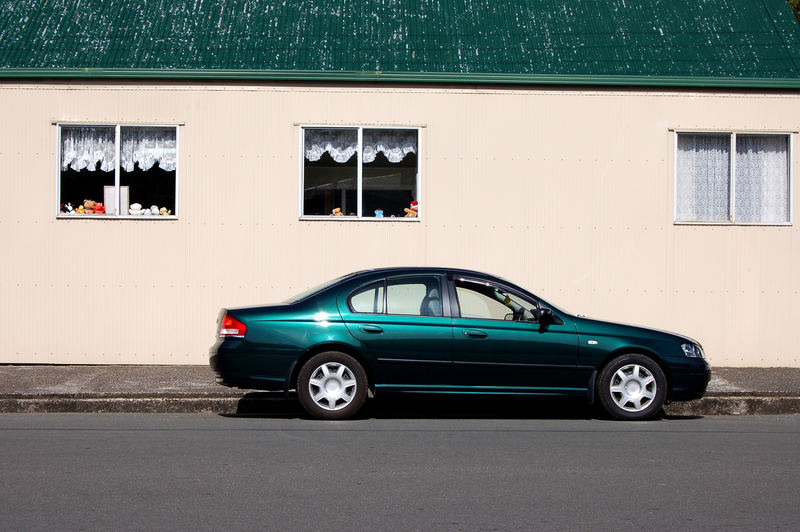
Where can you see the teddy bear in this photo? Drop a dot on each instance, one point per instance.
(163, 211)
(337, 212)
(135, 209)
(413, 212)
(88, 206)
(99, 208)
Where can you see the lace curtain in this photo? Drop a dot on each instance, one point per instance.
(703, 177)
(148, 146)
(84, 147)
(761, 179)
(342, 144)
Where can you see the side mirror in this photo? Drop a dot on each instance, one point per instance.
(544, 315)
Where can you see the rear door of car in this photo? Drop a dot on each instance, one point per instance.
(499, 346)
(404, 326)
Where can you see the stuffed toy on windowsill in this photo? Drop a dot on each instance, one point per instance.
(413, 212)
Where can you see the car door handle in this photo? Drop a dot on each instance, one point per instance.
(371, 329)
(475, 333)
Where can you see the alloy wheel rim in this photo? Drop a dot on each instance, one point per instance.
(633, 388)
(332, 386)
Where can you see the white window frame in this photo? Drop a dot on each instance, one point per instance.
(359, 190)
(117, 171)
(732, 181)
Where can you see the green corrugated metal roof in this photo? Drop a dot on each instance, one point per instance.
(662, 42)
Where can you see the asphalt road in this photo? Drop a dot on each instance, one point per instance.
(206, 472)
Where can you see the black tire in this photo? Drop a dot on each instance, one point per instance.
(332, 385)
(632, 387)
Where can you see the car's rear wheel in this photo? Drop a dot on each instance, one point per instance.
(632, 387)
(332, 385)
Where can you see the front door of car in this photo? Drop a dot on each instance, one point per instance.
(404, 328)
(499, 344)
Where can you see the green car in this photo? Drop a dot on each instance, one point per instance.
(448, 331)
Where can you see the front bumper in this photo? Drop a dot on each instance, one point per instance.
(691, 381)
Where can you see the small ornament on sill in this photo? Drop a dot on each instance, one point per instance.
(378, 213)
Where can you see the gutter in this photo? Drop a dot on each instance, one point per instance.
(400, 77)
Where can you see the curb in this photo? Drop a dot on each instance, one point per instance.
(734, 405)
(117, 405)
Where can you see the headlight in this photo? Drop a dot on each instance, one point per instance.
(692, 350)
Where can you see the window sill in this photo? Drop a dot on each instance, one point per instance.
(112, 217)
(736, 224)
(329, 218)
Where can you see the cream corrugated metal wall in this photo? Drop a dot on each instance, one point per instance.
(568, 192)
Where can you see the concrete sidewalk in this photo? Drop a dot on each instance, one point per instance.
(46, 388)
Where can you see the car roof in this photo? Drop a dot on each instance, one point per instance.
(420, 269)
(414, 270)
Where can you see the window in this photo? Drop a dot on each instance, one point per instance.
(358, 172)
(483, 301)
(733, 178)
(368, 300)
(414, 296)
(114, 170)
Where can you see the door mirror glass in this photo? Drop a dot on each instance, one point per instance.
(544, 315)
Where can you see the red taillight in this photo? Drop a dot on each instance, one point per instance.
(232, 327)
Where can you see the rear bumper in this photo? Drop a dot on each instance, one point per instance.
(233, 379)
(238, 369)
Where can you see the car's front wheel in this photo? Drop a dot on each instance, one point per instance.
(632, 387)
(332, 385)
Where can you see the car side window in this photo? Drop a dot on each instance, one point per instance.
(414, 296)
(484, 301)
(369, 299)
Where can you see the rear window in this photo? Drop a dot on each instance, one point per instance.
(311, 291)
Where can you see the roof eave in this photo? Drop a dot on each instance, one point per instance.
(401, 77)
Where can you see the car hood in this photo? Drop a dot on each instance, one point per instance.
(589, 326)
